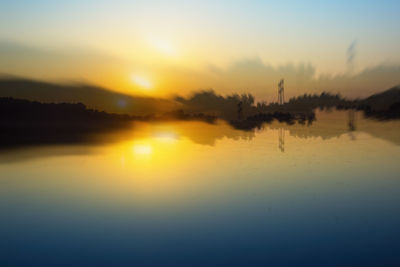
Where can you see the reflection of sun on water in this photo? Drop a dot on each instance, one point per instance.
(145, 147)
(159, 164)
(166, 137)
(142, 149)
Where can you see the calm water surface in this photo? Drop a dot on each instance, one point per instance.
(191, 193)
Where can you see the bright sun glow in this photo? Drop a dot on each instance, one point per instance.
(142, 149)
(163, 46)
(142, 82)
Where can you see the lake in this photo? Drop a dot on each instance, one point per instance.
(190, 193)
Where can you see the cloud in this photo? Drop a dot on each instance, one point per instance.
(252, 75)
(351, 52)
(247, 75)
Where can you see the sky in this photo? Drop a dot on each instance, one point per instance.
(161, 48)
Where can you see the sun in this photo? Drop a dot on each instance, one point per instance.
(142, 82)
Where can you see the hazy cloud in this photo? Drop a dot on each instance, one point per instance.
(251, 75)
(351, 54)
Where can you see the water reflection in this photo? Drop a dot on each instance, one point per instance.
(142, 149)
(281, 139)
(185, 191)
(329, 124)
(352, 120)
(352, 124)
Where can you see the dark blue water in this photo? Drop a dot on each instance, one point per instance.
(335, 204)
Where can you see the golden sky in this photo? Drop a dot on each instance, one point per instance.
(160, 48)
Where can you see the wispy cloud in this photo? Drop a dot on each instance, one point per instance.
(242, 76)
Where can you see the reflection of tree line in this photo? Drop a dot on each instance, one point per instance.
(206, 134)
(350, 122)
(25, 122)
(281, 140)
